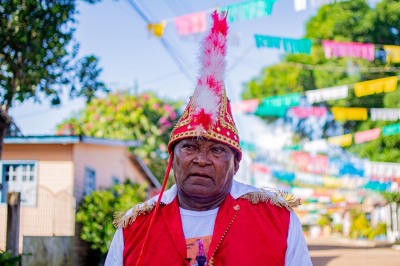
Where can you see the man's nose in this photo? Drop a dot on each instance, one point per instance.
(201, 158)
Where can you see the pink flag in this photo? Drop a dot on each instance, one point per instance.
(367, 135)
(246, 106)
(258, 167)
(303, 112)
(191, 23)
(317, 164)
(300, 159)
(353, 49)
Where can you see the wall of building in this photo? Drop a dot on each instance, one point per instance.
(107, 161)
(54, 212)
(60, 181)
(40, 152)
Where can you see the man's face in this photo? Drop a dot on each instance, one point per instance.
(204, 169)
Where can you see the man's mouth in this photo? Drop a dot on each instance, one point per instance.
(200, 175)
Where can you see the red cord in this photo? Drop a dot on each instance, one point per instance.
(138, 263)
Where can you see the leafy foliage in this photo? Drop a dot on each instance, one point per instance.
(338, 228)
(325, 220)
(352, 21)
(38, 54)
(346, 21)
(129, 117)
(392, 197)
(7, 259)
(97, 210)
(361, 227)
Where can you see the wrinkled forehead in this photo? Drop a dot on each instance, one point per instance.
(203, 141)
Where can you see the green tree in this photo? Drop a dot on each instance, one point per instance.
(361, 227)
(38, 54)
(325, 220)
(344, 21)
(98, 208)
(385, 148)
(143, 117)
(8, 259)
(386, 20)
(277, 80)
(391, 197)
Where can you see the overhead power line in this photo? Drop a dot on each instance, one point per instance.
(164, 43)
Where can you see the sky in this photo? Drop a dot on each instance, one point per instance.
(132, 58)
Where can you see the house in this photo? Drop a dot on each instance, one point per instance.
(53, 173)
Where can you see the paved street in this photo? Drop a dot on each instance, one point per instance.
(342, 252)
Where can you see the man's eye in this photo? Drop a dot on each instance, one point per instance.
(188, 147)
(218, 150)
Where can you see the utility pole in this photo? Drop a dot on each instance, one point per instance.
(13, 215)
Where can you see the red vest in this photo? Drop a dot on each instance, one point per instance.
(244, 234)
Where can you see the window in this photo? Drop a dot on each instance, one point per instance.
(90, 181)
(115, 180)
(19, 176)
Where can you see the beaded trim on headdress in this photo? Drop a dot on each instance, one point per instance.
(225, 132)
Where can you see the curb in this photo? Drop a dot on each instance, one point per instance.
(355, 242)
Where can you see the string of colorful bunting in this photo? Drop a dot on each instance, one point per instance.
(332, 49)
(278, 106)
(322, 170)
(197, 22)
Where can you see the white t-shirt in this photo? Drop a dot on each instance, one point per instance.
(198, 223)
(198, 228)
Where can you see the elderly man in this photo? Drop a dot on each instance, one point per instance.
(207, 218)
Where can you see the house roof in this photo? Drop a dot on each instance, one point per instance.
(145, 170)
(64, 139)
(56, 139)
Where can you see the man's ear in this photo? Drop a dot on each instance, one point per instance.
(236, 165)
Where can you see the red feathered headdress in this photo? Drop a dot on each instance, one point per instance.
(208, 113)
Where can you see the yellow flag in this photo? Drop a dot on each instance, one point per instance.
(392, 53)
(375, 86)
(343, 140)
(350, 113)
(331, 182)
(157, 28)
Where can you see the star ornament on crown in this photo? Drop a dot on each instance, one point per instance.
(208, 113)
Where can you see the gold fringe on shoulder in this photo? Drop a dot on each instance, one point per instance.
(291, 200)
(121, 219)
(278, 198)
